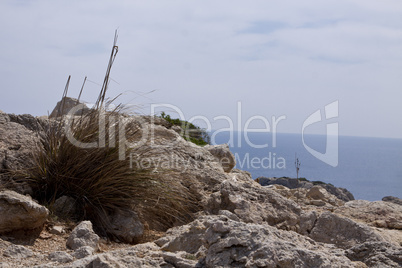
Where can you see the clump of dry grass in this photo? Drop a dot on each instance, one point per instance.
(98, 181)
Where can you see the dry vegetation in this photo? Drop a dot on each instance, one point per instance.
(99, 182)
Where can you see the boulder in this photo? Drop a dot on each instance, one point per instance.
(64, 207)
(255, 204)
(376, 254)
(221, 242)
(223, 155)
(22, 212)
(378, 213)
(83, 235)
(18, 138)
(318, 193)
(126, 226)
(342, 232)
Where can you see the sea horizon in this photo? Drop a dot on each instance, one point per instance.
(369, 167)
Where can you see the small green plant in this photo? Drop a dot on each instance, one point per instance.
(190, 132)
(321, 182)
(190, 257)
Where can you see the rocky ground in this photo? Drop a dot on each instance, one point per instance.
(240, 224)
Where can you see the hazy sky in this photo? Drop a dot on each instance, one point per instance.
(278, 58)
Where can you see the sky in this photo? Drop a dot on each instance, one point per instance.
(215, 60)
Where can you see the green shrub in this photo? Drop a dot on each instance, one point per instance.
(190, 131)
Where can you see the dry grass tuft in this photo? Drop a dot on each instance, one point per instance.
(98, 181)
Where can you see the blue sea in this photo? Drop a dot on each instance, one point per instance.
(370, 168)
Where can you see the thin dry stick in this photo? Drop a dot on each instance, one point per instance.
(113, 54)
(82, 88)
(63, 97)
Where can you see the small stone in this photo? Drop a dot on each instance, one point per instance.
(57, 230)
(318, 203)
(83, 235)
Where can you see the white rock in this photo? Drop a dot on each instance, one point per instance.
(83, 235)
(57, 230)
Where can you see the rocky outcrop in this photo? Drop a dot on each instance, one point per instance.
(255, 204)
(20, 212)
(341, 193)
(18, 137)
(223, 155)
(216, 241)
(392, 199)
(64, 106)
(239, 222)
(315, 196)
(378, 213)
(376, 254)
(342, 232)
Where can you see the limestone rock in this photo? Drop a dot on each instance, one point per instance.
(228, 243)
(342, 232)
(255, 204)
(318, 193)
(17, 141)
(106, 261)
(180, 259)
(63, 108)
(83, 252)
(57, 230)
(64, 206)
(341, 193)
(60, 256)
(376, 254)
(126, 226)
(22, 212)
(223, 155)
(18, 252)
(307, 222)
(240, 175)
(392, 199)
(378, 213)
(83, 235)
(146, 255)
